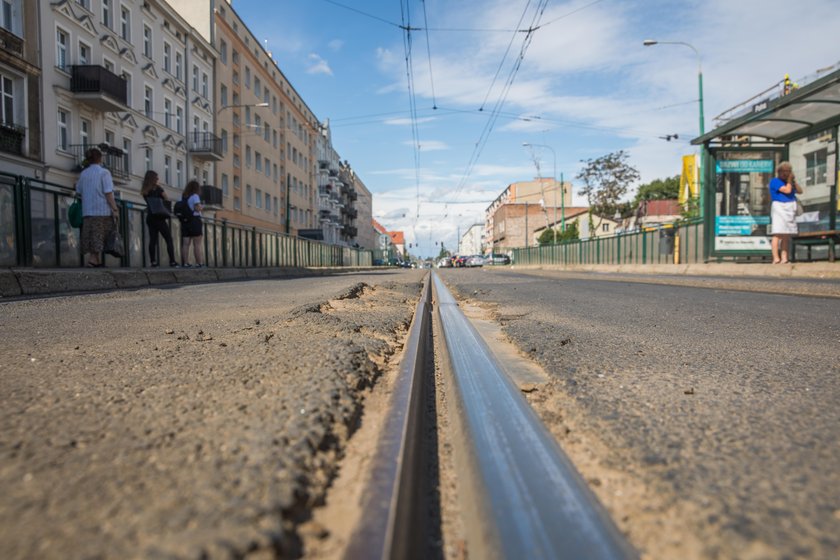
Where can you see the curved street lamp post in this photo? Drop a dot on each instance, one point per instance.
(562, 186)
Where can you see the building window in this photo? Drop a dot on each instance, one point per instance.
(223, 96)
(148, 102)
(147, 41)
(167, 57)
(248, 195)
(196, 125)
(106, 13)
(84, 132)
(276, 206)
(267, 202)
(179, 117)
(8, 17)
(605, 227)
(236, 141)
(167, 170)
(167, 112)
(179, 174)
(63, 129)
(224, 184)
(125, 24)
(816, 167)
(223, 52)
(224, 141)
(236, 183)
(127, 155)
(236, 161)
(247, 156)
(235, 56)
(178, 65)
(259, 198)
(62, 39)
(84, 54)
(235, 78)
(258, 161)
(237, 205)
(247, 78)
(195, 78)
(205, 90)
(147, 157)
(8, 106)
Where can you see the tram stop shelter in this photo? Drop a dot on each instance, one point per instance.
(795, 124)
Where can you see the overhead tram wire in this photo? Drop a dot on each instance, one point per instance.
(429, 53)
(405, 10)
(504, 58)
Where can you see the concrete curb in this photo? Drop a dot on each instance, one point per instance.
(9, 286)
(820, 270)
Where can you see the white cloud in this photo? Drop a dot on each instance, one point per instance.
(335, 45)
(407, 121)
(318, 65)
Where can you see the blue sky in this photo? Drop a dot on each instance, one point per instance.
(586, 87)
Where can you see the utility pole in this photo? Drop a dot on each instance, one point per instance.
(527, 235)
(563, 203)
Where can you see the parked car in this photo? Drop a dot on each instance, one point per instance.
(475, 260)
(445, 262)
(497, 258)
(459, 261)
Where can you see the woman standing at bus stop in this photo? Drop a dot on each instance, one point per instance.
(783, 191)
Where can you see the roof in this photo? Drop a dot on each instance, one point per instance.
(805, 110)
(667, 207)
(397, 237)
(378, 227)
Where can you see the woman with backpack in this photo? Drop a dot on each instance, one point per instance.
(192, 230)
(157, 218)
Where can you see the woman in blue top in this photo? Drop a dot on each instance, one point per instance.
(783, 191)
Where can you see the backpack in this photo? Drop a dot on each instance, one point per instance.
(182, 211)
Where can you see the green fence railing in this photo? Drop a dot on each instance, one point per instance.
(677, 244)
(35, 232)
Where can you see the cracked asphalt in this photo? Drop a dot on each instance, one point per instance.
(202, 421)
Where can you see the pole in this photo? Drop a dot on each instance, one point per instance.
(555, 211)
(563, 203)
(702, 191)
(527, 244)
(288, 203)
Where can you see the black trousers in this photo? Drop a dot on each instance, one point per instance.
(159, 225)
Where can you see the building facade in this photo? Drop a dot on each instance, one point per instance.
(471, 242)
(20, 87)
(543, 189)
(329, 196)
(134, 79)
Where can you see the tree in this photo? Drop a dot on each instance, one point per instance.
(443, 252)
(552, 237)
(606, 179)
(658, 189)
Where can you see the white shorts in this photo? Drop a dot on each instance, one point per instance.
(783, 218)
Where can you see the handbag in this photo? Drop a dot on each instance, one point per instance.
(114, 242)
(157, 207)
(74, 214)
(799, 209)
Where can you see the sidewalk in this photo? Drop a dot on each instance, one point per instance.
(17, 282)
(813, 270)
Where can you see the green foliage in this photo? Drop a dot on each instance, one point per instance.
(553, 236)
(658, 189)
(606, 180)
(443, 252)
(691, 210)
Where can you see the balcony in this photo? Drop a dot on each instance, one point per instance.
(325, 215)
(11, 138)
(99, 88)
(113, 159)
(206, 146)
(349, 231)
(10, 42)
(211, 196)
(351, 213)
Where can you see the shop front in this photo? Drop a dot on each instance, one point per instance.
(741, 158)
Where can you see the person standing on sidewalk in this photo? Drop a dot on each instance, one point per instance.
(783, 191)
(99, 208)
(158, 224)
(192, 232)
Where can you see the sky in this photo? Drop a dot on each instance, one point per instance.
(581, 85)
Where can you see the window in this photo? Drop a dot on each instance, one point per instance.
(147, 156)
(179, 117)
(167, 115)
(84, 54)
(178, 64)
(248, 195)
(259, 198)
(63, 129)
(605, 227)
(235, 56)
(147, 41)
(224, 184)
(267, 202)
(816, 167)
(195, 77)
(224, 141)
(84, 132)
(235, 98)
(223, 52)
(106, 13)
(237, 205)
(205, 90)
(235, 77)
(167, 57)
(167, 170)
(127, 155)
(236, 183)
(276, 206)
(179, 174)
(223, 96)
(258, 161)
(8, 19)
(247, 156)
(84, 4)
(247, 78)
(236, 161)
(235, 140)
(125, 24)
(62, 39)
(257, 87)
(247, 116)
(127, 77)
(148, 102)
(7, 108)
(196, 125)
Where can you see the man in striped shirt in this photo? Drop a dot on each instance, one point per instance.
(99, 207)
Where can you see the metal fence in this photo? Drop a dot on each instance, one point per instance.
(35, 231)
(678, 244)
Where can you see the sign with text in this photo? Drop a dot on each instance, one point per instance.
(739, 225)
(745, 166)
(754, 243)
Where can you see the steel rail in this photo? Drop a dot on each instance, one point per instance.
(393, 525)
(527, 497)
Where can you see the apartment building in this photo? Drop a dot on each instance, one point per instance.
(366, 237)
(269, 172)
(349, 196)
(133, 78)
(329, 195)
(20, 88)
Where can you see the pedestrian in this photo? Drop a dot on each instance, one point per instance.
(192, 232)
(99, 207)
(783, 191)
(158, 224)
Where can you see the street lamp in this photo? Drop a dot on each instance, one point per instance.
(554, 178)
(650, 43)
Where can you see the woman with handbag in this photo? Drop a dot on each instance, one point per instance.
(783, 211)
(157, 217)
(192, 231)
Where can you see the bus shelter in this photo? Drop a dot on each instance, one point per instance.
(799, 125)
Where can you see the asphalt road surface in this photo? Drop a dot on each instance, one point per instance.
(709, 417)
(199, 421)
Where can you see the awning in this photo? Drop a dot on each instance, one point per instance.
(806, 110)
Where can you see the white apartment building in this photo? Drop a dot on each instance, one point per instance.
(20, 89)
(470, 243)
(133, 78)
(329, 195)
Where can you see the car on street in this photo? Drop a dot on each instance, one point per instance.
(445, 262)
(497, 258)
(474, 261)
